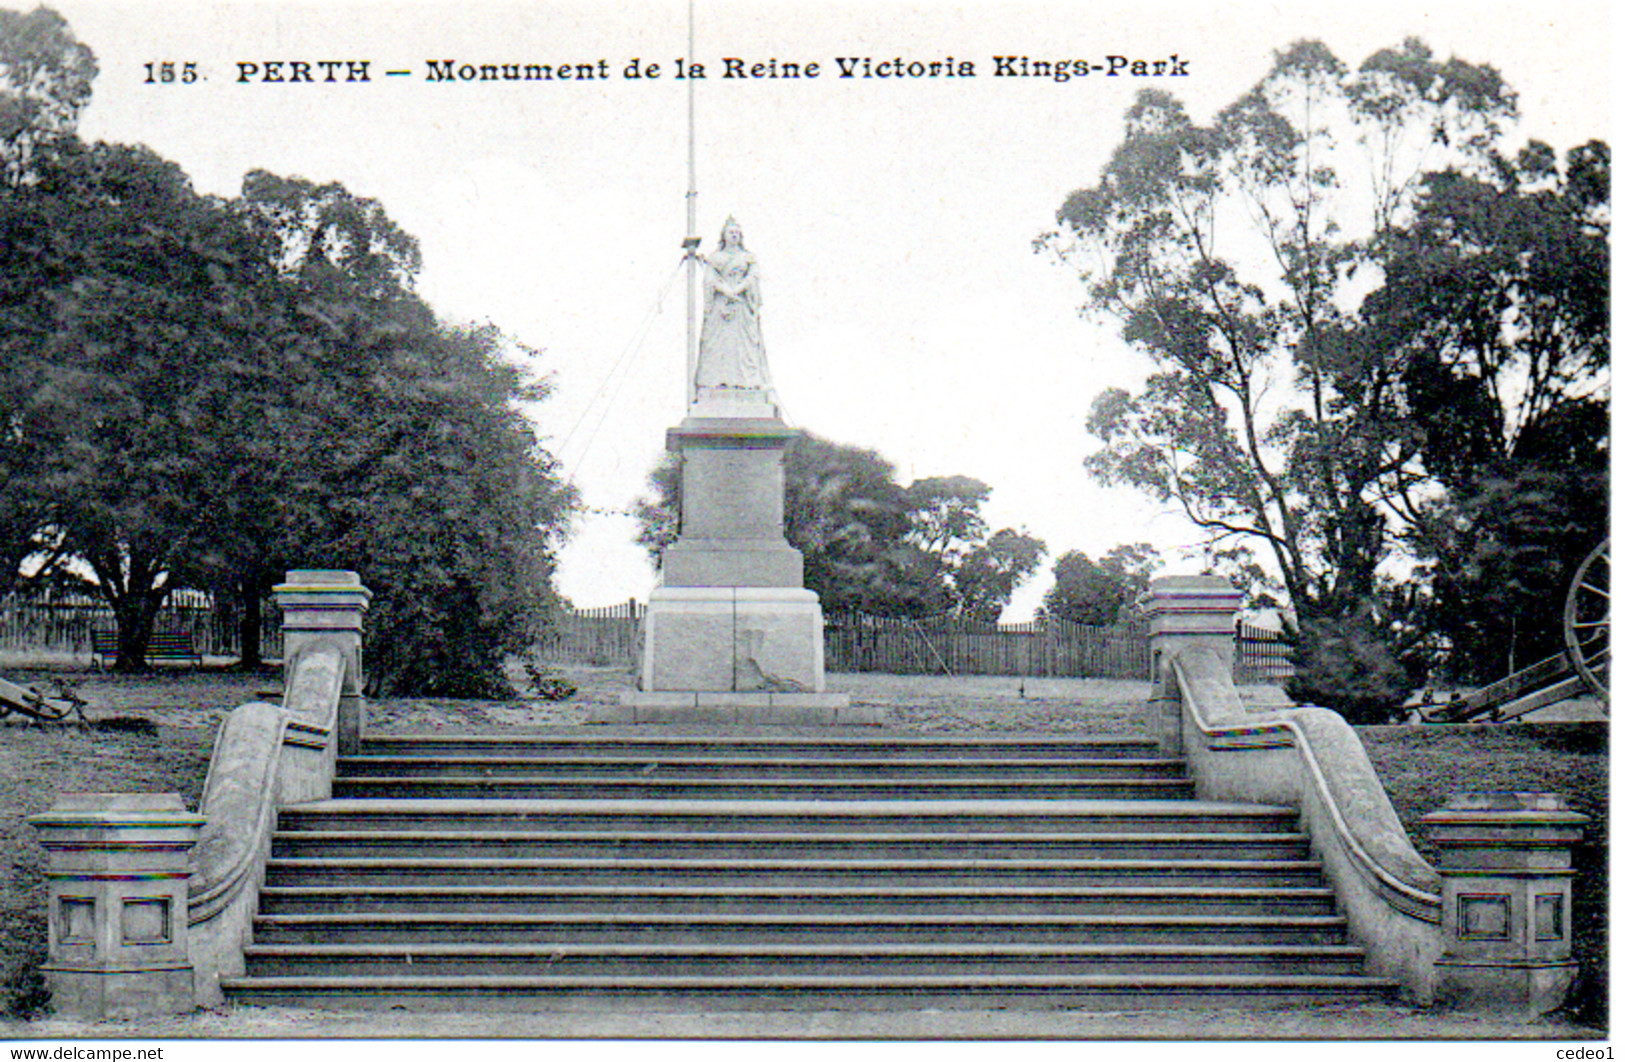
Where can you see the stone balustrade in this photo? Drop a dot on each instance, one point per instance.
(151, 904)
(1489, 928)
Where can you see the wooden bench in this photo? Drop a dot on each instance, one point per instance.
(165, 645)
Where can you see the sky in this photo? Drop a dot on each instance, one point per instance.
(904, 307)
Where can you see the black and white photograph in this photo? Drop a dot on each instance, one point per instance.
(553, 525)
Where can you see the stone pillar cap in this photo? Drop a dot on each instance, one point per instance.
(743, 432)
(1186, 591)
(324, 581)
(1506, 806)
(1506, 801)
(112, 809)
(324, 576)
(1192, 582)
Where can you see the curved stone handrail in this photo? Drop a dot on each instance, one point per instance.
(1312, 759)
(242, 771)
(264, 756)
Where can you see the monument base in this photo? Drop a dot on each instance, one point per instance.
(734, 655)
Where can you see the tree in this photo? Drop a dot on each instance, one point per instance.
(45, 81)
(438, 493)
(45, 77)
(979, 572)
(868, 543)
(987, 576)
(1496, 293)
(1095, 594)
(404, 451)
(1238, 256)
(1223, 256)
(945, 516)
(340, 272)
(120, 283)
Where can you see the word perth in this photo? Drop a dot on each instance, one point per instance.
(864, 67)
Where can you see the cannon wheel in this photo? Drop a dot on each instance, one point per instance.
(1585, 622)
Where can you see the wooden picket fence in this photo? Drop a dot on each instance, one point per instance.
(63, 624)
(611, 637)
(1262, 655)
(951, 646)
(596, 637)
(859, 642)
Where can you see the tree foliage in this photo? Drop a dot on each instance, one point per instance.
(440, 496)
(1497, 297)
(45, 77)
(869, 543)
(1311, 272)
(45, 81)
(1096, 593)
(202, 392)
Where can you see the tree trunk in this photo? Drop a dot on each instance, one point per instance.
(135, 613)
(127, 582)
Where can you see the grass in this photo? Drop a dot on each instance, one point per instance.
(1421, 767)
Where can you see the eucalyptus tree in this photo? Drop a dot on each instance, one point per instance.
(1237, 254)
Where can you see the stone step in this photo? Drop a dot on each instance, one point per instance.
(804, 992)
(714, 928)
(312, 841)
(680, 764)
(354, 872)
(576, 960)
(745, 900)
(833, 745)
(939, 817)
(655, 787)
(666, 870)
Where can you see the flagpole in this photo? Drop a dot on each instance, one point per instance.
(691, 242)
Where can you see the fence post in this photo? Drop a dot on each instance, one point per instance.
(328, 606)
(1184, 611)
(632, 631)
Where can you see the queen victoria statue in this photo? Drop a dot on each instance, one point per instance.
(731, 354)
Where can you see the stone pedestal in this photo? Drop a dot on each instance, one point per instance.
(327, 607)
(1504, 859)
(1185, 610)
(116, 870)
(731, 634)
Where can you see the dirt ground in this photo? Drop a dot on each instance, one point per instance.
(185, 708)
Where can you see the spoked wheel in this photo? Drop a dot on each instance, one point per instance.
(1585, 622)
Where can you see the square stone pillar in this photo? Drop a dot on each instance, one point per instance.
(731, 634)
(326, 607)
(1184, 611)
(116, 871)
(1504, 859)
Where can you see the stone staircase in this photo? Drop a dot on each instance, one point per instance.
(664, 871)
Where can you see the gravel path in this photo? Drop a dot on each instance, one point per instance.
(1361, 1022)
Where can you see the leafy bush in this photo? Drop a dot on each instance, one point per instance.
(1344, 664)
(23, 995)
(548, 682)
